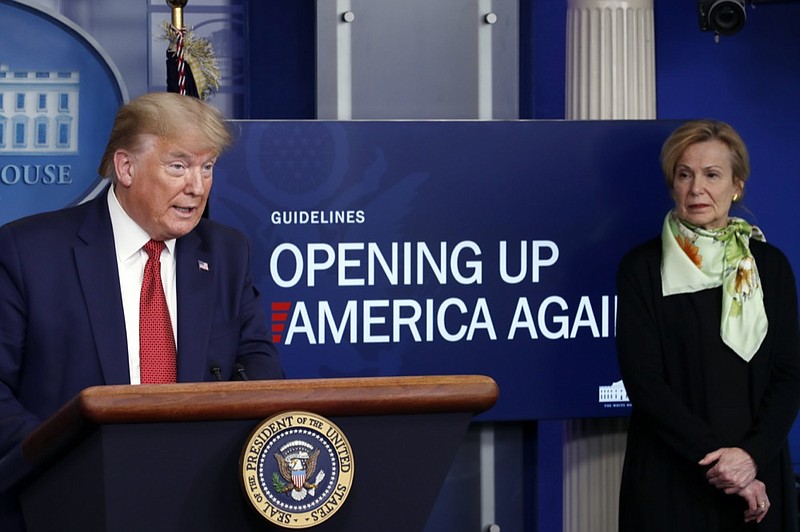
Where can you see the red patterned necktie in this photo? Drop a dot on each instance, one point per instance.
(156, 340)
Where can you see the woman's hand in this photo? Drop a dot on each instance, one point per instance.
(734, 469)
(758, 504)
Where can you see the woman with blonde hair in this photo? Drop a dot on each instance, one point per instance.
(709, 348)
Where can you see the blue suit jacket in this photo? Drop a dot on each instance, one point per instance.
(61, 320)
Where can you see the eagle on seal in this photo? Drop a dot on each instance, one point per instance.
(295, 471)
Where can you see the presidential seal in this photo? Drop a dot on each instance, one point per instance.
(297, 469)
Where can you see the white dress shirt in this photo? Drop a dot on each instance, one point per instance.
(129, 240)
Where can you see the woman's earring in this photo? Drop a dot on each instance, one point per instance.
(735, 198)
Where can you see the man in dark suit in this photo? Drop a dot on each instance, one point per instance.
(70, 280)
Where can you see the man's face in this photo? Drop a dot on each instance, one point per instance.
(164, 185)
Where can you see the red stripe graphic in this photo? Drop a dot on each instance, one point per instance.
(280, 313)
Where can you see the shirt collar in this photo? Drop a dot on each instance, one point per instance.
(129, 237)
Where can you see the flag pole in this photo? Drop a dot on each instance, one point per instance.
(177, 12)
(180, 36)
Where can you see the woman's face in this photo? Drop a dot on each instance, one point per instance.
(704, 185)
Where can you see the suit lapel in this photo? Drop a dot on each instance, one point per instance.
(195, 290)
(96, 262)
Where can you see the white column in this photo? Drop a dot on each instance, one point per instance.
(610, 60)
(610, 75)
(593, 453)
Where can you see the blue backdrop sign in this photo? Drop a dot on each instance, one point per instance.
(58, 97)
(420, 248)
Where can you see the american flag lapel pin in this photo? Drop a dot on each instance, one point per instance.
(202, 265)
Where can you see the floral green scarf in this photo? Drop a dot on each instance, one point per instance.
(695, 259)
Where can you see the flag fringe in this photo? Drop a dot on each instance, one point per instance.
(199, 56)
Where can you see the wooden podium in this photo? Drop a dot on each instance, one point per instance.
(166, 457)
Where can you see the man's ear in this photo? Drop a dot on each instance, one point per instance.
(124, 166)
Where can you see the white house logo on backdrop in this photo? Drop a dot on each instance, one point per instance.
(614, 396)
(39, 112)
(58, 97)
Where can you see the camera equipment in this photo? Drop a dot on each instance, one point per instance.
(723, 17)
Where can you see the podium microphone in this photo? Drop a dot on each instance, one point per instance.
(216, 372)
(239, 373)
